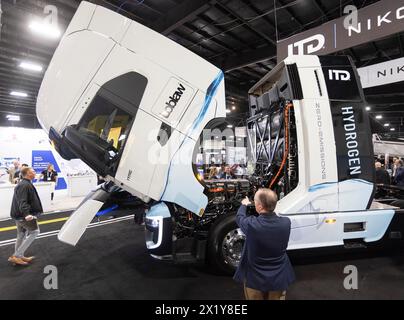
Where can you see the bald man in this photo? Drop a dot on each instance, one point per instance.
(265, 269)
(382, 176)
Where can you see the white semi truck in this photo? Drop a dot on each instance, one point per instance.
(132, 104)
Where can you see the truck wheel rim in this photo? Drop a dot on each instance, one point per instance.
(232, 247)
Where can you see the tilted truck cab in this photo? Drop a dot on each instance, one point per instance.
(132, 105)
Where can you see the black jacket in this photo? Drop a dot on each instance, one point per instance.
(399, 178)
(223, 175)
(382, 176)
(25, 201)
(264, 264)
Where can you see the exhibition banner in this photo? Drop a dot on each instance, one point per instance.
(374, 22)
(40, 161)
(382, 73)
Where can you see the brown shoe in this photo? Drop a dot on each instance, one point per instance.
(27, 259)
(17, 261)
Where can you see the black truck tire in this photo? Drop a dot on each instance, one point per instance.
(215, 253)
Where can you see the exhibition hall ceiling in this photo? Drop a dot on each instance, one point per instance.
(239, 36)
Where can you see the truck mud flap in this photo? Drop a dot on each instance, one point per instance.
(75, 227)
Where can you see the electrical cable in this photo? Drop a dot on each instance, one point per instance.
(286, 149)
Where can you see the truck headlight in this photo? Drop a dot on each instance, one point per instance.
(153, 222)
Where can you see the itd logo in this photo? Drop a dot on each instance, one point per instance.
(173, 100)
(307, 46)
(339, 75)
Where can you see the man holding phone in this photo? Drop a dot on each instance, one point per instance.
(25, 208)
(265, 269)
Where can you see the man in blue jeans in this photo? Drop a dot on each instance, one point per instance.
(265, 269)
(25, 207)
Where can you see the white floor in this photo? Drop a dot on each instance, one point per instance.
(62, 202)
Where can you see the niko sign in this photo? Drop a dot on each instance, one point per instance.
(368, 24)
(382, 73)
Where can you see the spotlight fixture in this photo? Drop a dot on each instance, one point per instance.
(30, 66)
(44, 29)
(12, 117)
(18, 94)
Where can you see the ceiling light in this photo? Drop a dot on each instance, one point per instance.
(18, 94)
(230, 126)
(392, 129)
(228, 111)
(379, 117)
(387, 124)
(45, 29)
(12, 117)
(30, 66)
(233, 108)
(368, 108)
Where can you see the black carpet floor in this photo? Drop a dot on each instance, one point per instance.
(111, 262)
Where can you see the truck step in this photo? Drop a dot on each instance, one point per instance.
(354, 244)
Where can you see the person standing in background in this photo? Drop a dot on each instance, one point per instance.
(382, 176)
(399, 177)
(394, 167)
(12, 170)
(25, 208)
(227, 174)
(213, 173)
(50, 175)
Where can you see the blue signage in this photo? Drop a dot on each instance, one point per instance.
(40, 161)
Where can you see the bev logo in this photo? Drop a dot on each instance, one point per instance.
(339, 75)
(173, 100)
(307, 46)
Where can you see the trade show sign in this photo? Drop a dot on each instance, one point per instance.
(40, 161)
(375, 21)
(382, 73)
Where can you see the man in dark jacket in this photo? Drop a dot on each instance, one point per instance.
(25, 207)
(265, 269)
(227, 174)
(399, 178)
(382, 176)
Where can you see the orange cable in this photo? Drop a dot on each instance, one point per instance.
(285, 155)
